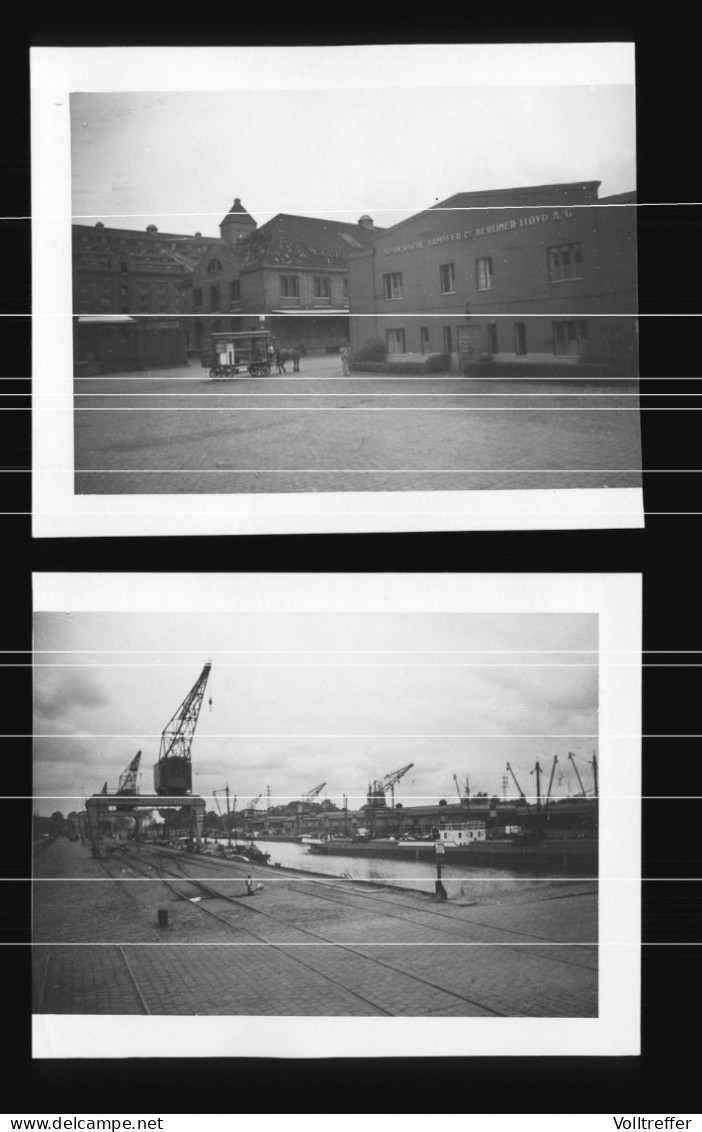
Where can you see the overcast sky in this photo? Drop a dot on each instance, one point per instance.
(341, 153)
(298, 699)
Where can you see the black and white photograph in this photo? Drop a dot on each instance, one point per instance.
(336, 289)
(338, 797)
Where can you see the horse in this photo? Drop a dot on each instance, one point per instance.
(293, 354)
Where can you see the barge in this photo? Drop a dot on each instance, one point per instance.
(574, 854)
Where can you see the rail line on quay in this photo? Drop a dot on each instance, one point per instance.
(242, 902)
(360, 895)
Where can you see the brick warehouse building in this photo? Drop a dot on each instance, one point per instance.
(295, 266)
(121, 276)
(515, 274)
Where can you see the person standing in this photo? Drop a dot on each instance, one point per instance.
(345, 359)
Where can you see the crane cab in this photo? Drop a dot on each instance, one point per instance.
(173, 775)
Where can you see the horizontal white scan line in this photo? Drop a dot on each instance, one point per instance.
(348, 471)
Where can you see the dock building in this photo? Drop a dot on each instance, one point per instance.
(517, 275)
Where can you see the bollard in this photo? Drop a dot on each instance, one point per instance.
(163, 917)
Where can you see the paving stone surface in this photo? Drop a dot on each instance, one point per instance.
(178, 432)
(301, 946)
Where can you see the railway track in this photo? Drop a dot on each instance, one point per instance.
(335, 894)
(182, 885)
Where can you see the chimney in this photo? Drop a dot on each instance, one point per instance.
(366, 222)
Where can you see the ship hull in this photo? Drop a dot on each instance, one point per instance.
(572, 855)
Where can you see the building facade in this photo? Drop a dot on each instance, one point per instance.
(123, 280)
(289, 275)
(514, 274)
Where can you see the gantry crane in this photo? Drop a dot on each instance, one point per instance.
(173, 773)
(128, 777)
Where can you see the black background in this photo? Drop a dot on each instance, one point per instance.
(665, 1078)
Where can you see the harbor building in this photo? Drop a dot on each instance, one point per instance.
(292, 266)
(518, 275)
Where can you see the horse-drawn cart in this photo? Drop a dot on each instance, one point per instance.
(231, 352)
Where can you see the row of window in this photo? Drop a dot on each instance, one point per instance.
(321, 286)
(569, 336)
(289, 289)
(563, 262)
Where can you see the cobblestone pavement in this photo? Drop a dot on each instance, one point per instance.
(179, 432)
(302, 945)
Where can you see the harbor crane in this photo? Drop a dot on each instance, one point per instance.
(376, 799)
(537, 772)
(522, 795)
(312, 794)
(378, 788)
(593, 764)
(227, 825)
(128, 777)
(550, 781)
(253, 803)
(583, 792)
(173, 773)
(464, 798)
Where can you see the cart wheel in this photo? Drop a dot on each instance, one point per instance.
(265, 370)
(253, 370)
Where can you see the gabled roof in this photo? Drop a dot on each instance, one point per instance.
(304, 241)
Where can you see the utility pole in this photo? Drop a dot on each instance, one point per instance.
(229, 824)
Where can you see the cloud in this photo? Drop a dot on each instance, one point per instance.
(62, 694)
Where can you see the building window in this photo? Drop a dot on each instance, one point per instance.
(345, 286)
(234, 291)
(214, 298)
(123, 264)
(392, 285)
(565, 262)
(197, 297)
(493, 345)
(569, 337)
(424, 339)
(322, 287)
(447, 275)
(213, 266)
(289, 287)
(448, 340)
(396, 341)
(520, 347)
(483, 274)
